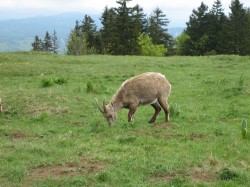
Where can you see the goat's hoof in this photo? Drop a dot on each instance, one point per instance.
(151, 122)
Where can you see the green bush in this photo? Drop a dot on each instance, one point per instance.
(148, 48)
(47, 82)
(61, 80)
(90, 87)
(227, 174)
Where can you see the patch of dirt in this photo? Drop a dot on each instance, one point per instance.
(164, 125)
(21, 135)
(206, 177)
(192, 136)
(18, 134)
(196, 136)
(194, 177)
(143, 132)
(67, 169)
(165, 178)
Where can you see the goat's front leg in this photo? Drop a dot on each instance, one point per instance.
(132, 110)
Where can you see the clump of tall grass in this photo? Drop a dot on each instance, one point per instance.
(175, 110)
(96, 88)
(227, 174)
(61, 80)
(47, 82)
(237, 90)
(244, 129)
(89, 87)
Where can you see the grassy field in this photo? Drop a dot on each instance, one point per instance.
(52, 134)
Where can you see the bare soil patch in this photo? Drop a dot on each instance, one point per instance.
(18, 134)
(166, 178)
(67, 169)
(194, 177)
(21, 135)
(206, 177)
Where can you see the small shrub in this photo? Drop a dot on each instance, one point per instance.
(241, 82)
(227, 174)
(42, 117)
(218, 132)
(47, 82)
(175, 110)
(90, 87)
(61, 80)
(103, 177)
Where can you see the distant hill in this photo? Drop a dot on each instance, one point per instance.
(18, 34)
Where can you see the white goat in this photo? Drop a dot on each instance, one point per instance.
(147, 88)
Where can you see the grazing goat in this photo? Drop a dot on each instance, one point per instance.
(147, 88)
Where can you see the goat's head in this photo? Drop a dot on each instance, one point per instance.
(107, 111)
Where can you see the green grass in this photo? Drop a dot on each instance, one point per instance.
(55, 135)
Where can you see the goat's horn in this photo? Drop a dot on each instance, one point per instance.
(104, 105)
(101, 110)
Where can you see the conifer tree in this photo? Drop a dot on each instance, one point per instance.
(157, 28)
(215, 24)
(37, 45)
(48, 46)
(239, 29)
(55, 43)
(197, 31)
(88, 27)
(125, 36)
(108, 31)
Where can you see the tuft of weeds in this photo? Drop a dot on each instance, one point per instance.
(47, 82)
(126, 139)
(227, 174)
(103, 177)
(244, 129)
(96, 88)
(236, 90)
(175, 110)
(218, 132)
(61, 80)
(90, 87)
(42, 117)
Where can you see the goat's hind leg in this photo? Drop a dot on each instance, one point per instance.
(164, 104)
(157, 108)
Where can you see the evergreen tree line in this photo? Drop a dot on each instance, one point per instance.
(48, 44)
(212, 32)
(125, 31)
(128, 31)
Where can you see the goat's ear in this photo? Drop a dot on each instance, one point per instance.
(101, 110)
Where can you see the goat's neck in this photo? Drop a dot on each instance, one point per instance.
(117, 101)
(117, 105)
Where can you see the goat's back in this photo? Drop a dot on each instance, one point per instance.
(144, 88)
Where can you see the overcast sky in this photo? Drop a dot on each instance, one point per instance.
(177, 11)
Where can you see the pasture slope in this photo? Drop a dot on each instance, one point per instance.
(52, 134)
